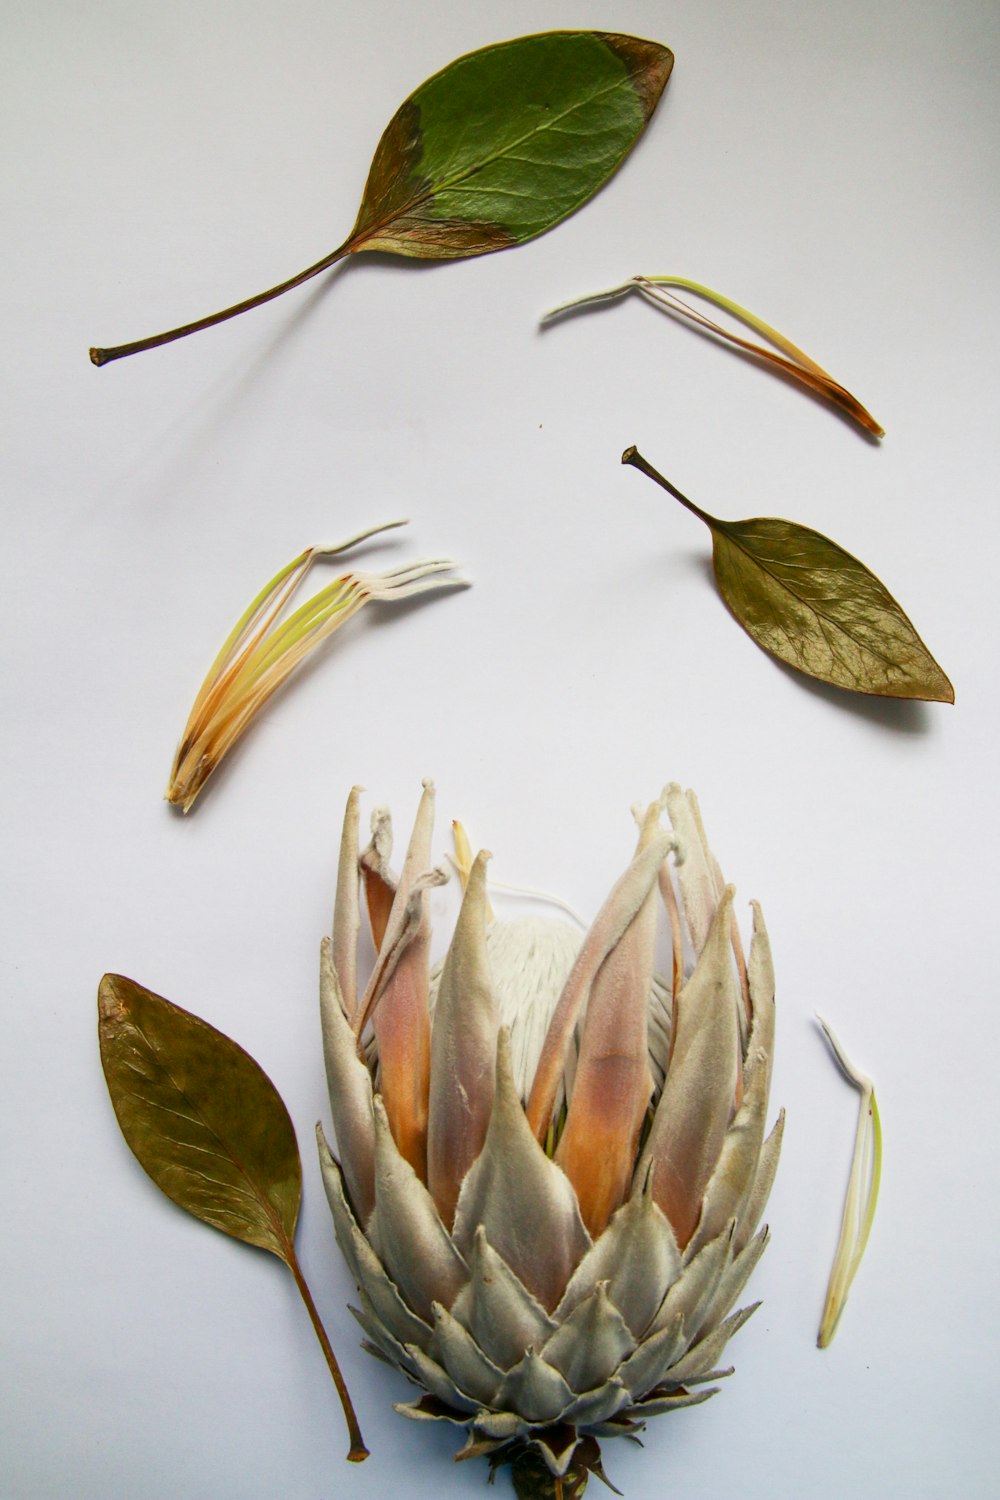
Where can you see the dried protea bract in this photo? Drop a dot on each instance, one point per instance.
(553, 1163)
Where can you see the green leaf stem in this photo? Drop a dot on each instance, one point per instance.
(209, 1127)
(811, 604)
(496, 148)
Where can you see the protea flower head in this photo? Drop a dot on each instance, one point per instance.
(552, 1162)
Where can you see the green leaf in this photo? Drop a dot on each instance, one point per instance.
(210, 1128)
(503, 143)
(496, 148)
(204, 1120)
(814, 606)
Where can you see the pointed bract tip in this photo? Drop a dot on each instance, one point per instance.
(727, 898)
(322, 1144)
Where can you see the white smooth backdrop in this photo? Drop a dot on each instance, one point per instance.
(833, 168)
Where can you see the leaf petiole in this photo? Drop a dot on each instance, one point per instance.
(634, 457)
(358, 1452)
(138, 346)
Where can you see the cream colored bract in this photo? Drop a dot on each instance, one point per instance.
(552, 1258)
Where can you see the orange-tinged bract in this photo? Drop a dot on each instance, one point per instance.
(552, 1167)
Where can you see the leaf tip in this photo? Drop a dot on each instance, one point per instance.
(649, 65)
(932, 685)
(110, 1002)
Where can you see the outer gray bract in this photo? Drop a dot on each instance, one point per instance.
(551, 1258)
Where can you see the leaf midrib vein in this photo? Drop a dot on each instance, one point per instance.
(446, 184)
(529, 135)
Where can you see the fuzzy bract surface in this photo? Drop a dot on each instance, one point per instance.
(553, 1160)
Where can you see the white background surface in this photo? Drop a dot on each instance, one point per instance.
(832, 167)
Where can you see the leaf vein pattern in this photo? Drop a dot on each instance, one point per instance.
(461, 175)
(164, 1108)
(807, 603)
(262, 1197)
(214, 1183)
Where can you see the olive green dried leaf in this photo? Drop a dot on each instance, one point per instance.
(209, 1127)
(811, 604)
(202, 1118)
(493, 150)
